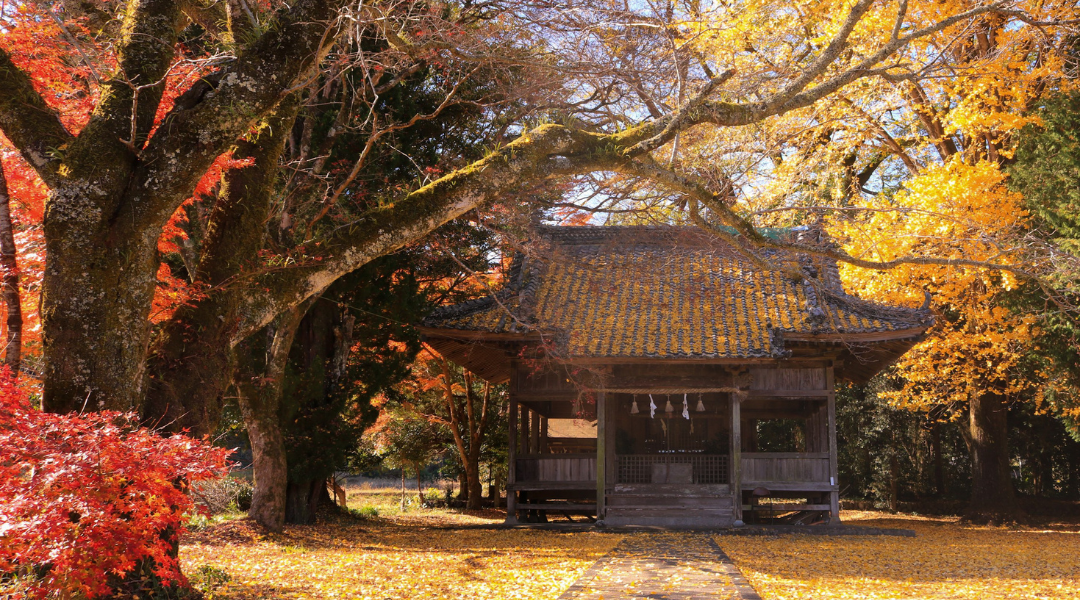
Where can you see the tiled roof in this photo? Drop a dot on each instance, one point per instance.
(666, 292)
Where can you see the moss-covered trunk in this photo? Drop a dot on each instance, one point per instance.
(259, 382)
(95, 302)
(10, 288)
(190, 361)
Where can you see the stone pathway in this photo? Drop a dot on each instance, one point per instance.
(668, 566)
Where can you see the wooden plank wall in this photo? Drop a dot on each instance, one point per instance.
(557, 468)
(785, 467)
(813, 378)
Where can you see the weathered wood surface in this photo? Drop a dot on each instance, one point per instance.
(787, 467)
(671, 505)
(556, 467)
(788, 379)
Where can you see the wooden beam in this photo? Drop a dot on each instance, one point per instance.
(554, 486)
(601, 455)
(789, 393)
(817, 455)
(790, 486)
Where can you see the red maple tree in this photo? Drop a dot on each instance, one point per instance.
(86, 499)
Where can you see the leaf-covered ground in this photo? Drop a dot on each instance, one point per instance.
(416, 555)
(395, 555)
(944, 560)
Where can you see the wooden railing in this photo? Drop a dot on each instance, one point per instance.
(785, 467)
(557, 467)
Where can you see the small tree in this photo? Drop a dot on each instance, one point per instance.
(451, 396)
(407, 440)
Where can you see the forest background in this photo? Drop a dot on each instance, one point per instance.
(224, 216)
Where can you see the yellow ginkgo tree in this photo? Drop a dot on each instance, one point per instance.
(906, 169)
(974, 357)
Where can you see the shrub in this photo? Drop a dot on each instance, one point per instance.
(207, 579)
(86, 500)
(433, 498)
(222, 495)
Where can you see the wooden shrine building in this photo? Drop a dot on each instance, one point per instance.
(646, 364)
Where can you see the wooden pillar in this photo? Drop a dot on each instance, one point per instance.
(601, 456)
(736, 456)
(511, 467)
(834, 495)
(611, 424)
(544, 435)
(534, 433)
(524, 433)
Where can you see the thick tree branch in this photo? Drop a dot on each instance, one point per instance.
(795, 95)
(129, 99)
(549, 150)
(209, 118)
(744, 232)
(33, 127)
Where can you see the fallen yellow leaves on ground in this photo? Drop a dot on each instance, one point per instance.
(390, 558)
(425, 553)
(944, 560)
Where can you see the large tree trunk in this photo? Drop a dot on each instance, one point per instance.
(10, 269)
(463, 486)
(270, 468)
(476, 488)
(259, 383)
(95, 304)
(189, 361)
(302, 500)
(992, 497)
(101, 269)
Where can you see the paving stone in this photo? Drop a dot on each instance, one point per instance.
(668, 566)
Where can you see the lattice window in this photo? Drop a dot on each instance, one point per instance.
(642, 468)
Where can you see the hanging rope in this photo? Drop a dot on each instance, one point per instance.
(682, 390)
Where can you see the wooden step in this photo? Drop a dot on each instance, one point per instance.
(684, 519)
(666, 513)
(671, 502)
(555, 506)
